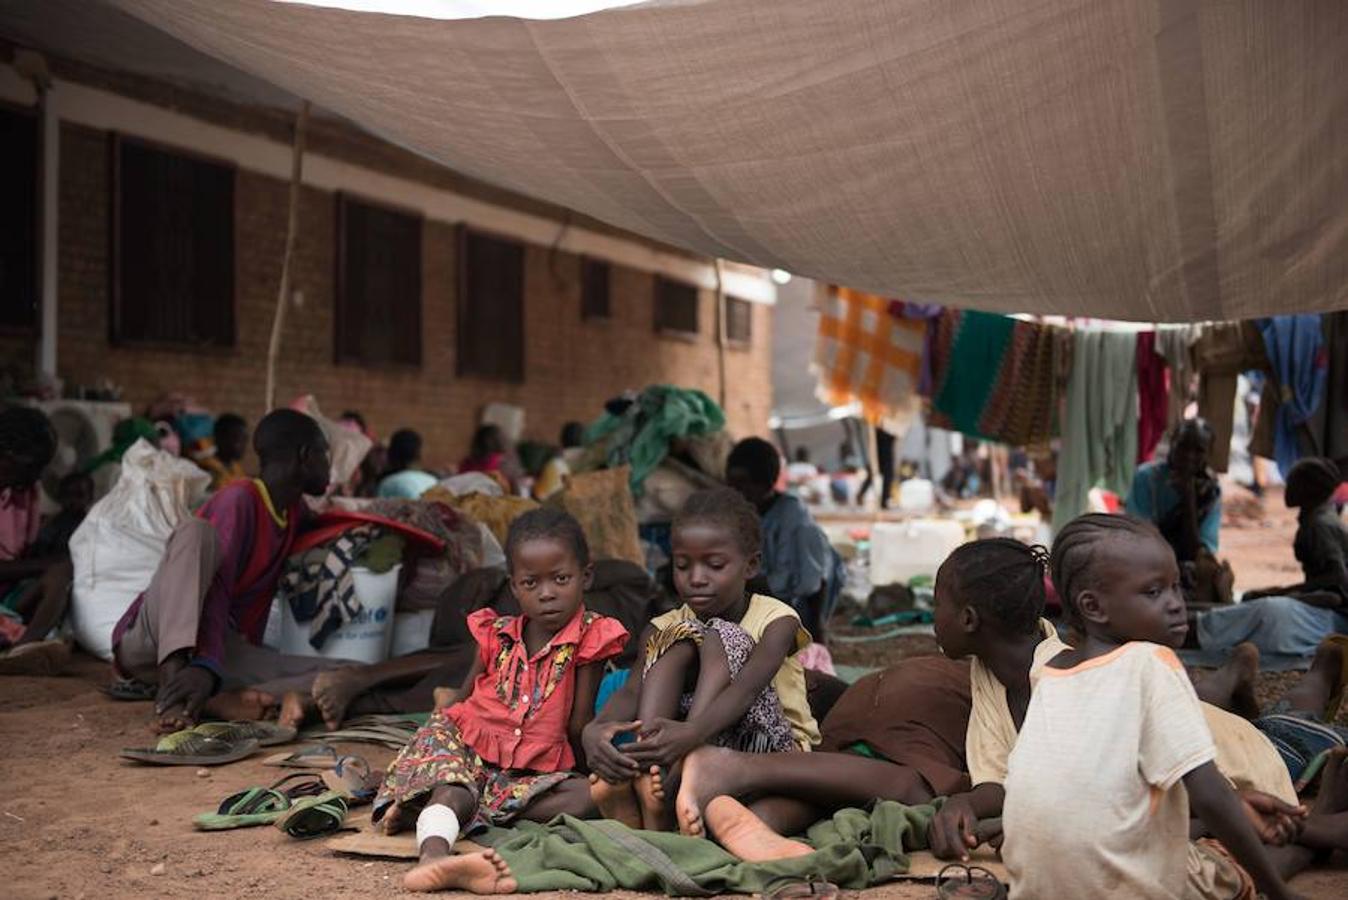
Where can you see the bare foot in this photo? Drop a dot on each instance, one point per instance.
(745, 835)
(443, 696)
(394, 821)
(333, 692)
(246, 705)
(655, 812)
(616, 801)
(1232, 686)
(479, 873)
(1333, 795)
(296, 708)
(707, 772)
(1311, 694)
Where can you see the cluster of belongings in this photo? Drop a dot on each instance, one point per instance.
(1108, 393)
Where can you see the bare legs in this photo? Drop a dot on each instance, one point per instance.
(701, 669)
(1232, 686)
(816, 781)
(439, 869)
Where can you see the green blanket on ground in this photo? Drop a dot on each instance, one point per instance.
(854, 849)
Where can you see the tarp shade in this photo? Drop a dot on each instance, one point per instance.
(1171, 160)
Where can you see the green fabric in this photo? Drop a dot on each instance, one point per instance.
(382, 553)
(124, 434)
(640, 436)
(976, 360)
(855, 849)
(1099, 437)
(861, 748)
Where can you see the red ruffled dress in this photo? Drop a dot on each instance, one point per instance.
(507, 741)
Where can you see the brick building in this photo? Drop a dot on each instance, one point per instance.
(417, 294)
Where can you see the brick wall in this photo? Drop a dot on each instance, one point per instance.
(572, 365)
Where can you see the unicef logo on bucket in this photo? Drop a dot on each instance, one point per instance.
(378, 616)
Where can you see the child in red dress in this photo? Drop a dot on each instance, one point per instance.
(508, 747)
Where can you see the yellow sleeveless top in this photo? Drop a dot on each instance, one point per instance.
(790, 678)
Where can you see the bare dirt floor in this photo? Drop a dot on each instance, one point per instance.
(75, 822)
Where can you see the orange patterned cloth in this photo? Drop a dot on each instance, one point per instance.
(864, 354)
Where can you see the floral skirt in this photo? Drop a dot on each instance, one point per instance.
(437, 755)
(764, 727)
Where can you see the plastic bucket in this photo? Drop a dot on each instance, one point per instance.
(364, 639)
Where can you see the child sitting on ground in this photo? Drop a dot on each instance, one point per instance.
(1321, 543)
(1093, 805)
(507, 747)
(721, 669)
(41, 602)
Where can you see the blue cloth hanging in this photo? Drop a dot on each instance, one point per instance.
(1297, 354)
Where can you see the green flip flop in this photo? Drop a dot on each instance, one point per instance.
(267, 734)
(259, 805)
(187, 748)
(315, 817)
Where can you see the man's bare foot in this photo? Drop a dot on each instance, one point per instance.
(1311, 694)
(479, 873)
(616, 801)
(244, 705)
(707, 772)
(656, 814)
(333, 692)
(745, 835)
(1232, 686)
(296, 709)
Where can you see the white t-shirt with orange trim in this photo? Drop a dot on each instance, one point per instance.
(1094, 804)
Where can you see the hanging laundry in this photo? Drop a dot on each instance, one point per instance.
(998, 378)
(1153, 400)
(1300, 366)
(1330, 422)
(1099, 441)
(866, 354)
(1175, 343)
(1222, 352)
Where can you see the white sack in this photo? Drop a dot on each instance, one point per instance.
(117, 548)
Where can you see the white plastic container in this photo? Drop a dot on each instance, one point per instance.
(366, 639)
(901, 551)
(916, 495)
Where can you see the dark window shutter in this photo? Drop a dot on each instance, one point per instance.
(739, 320)
(491, 307)
(378, 285)
(675, 306)
(18, 219)
(594, 289)
(173, 233)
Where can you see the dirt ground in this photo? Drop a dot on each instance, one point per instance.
(76, 822)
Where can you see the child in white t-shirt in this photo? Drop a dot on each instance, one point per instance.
(1114, 748)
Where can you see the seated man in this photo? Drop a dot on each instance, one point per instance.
(1288, 623)
(1182, 498)
(196, 630)
(800, 566)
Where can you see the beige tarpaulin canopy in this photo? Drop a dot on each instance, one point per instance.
(1155, 160)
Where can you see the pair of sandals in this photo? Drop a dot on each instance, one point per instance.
(304, 805)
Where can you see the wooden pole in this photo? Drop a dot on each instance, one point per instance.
(292, 229)
(720, 331)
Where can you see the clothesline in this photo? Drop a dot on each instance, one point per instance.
(1105, 391)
